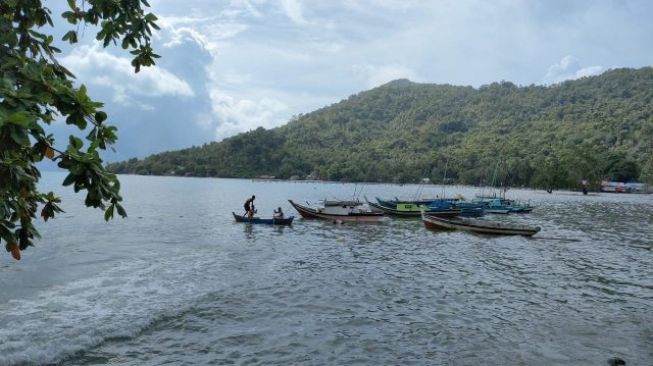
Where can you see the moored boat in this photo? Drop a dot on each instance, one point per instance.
(420, 202)
(477, 226)
(470, 209)
(504, 206)
(414, 210)
(352, 203)
(338, 213)
(258, 220)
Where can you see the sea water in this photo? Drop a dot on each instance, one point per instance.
(178, 282)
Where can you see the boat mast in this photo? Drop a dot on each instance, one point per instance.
(444, 178)
(494, 177)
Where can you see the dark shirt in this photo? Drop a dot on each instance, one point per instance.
(248, 203)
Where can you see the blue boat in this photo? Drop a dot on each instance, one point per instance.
(402, 209)
(470, 209)
(258, 220)
(430, 206)
(504, 206)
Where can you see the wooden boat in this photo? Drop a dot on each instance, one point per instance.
(470, 209)
(501, 211)
(352, 203)
(258, 220)
(421, 202)
(337, 213)
(477, 226)
(410, 210)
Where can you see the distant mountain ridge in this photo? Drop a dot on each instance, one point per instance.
(593, 128)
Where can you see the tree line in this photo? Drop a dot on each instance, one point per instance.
(591, 129)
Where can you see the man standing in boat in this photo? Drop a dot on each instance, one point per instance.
(249, 206)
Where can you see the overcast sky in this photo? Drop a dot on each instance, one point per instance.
(231, 66)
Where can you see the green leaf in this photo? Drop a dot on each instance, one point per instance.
(121, 210)
(19, 135)
(75, 142)
(100, 116)
(21, 119)
(70, 36)
(70, 179)
(108, 214)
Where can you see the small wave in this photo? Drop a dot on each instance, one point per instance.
(75, 317)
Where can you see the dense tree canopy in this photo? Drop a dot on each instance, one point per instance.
(36, 90)
(538, 136)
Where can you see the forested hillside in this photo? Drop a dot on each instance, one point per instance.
(540, 136)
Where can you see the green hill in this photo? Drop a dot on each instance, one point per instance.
(593, 128)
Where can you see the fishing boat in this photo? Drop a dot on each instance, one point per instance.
(342, 213)
(414, 210)
(504, 206)
(421, 202)
(470, 209)
(477, 226)
(499, 204)
(258, 220)
(354, 203)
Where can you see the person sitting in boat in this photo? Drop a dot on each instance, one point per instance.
(249, 207)
(278, 213)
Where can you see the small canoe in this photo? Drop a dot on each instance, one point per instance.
(258, 220)
(351, 215)
(477, 226)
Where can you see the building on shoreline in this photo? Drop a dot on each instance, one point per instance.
(621, 187)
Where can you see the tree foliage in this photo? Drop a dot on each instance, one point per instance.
(554, 136)
(35, 90)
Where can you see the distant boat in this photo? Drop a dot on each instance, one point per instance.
(477, 226)
(338, 213)
(258, 220)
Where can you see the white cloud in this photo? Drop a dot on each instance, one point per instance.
(293, 10)
(379, 75)
(569, 68)
(206, 31)
(116, 73)
(239, 115)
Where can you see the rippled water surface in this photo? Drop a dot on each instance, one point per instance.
(178, 282)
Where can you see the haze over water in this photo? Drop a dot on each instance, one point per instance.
(179, 282)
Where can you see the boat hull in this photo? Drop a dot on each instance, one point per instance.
(257, 220)
(311, 213)
(420, 202)
(394, 212)
(477, 226)
(504, 206)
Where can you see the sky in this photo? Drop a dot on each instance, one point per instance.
(231, 66)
